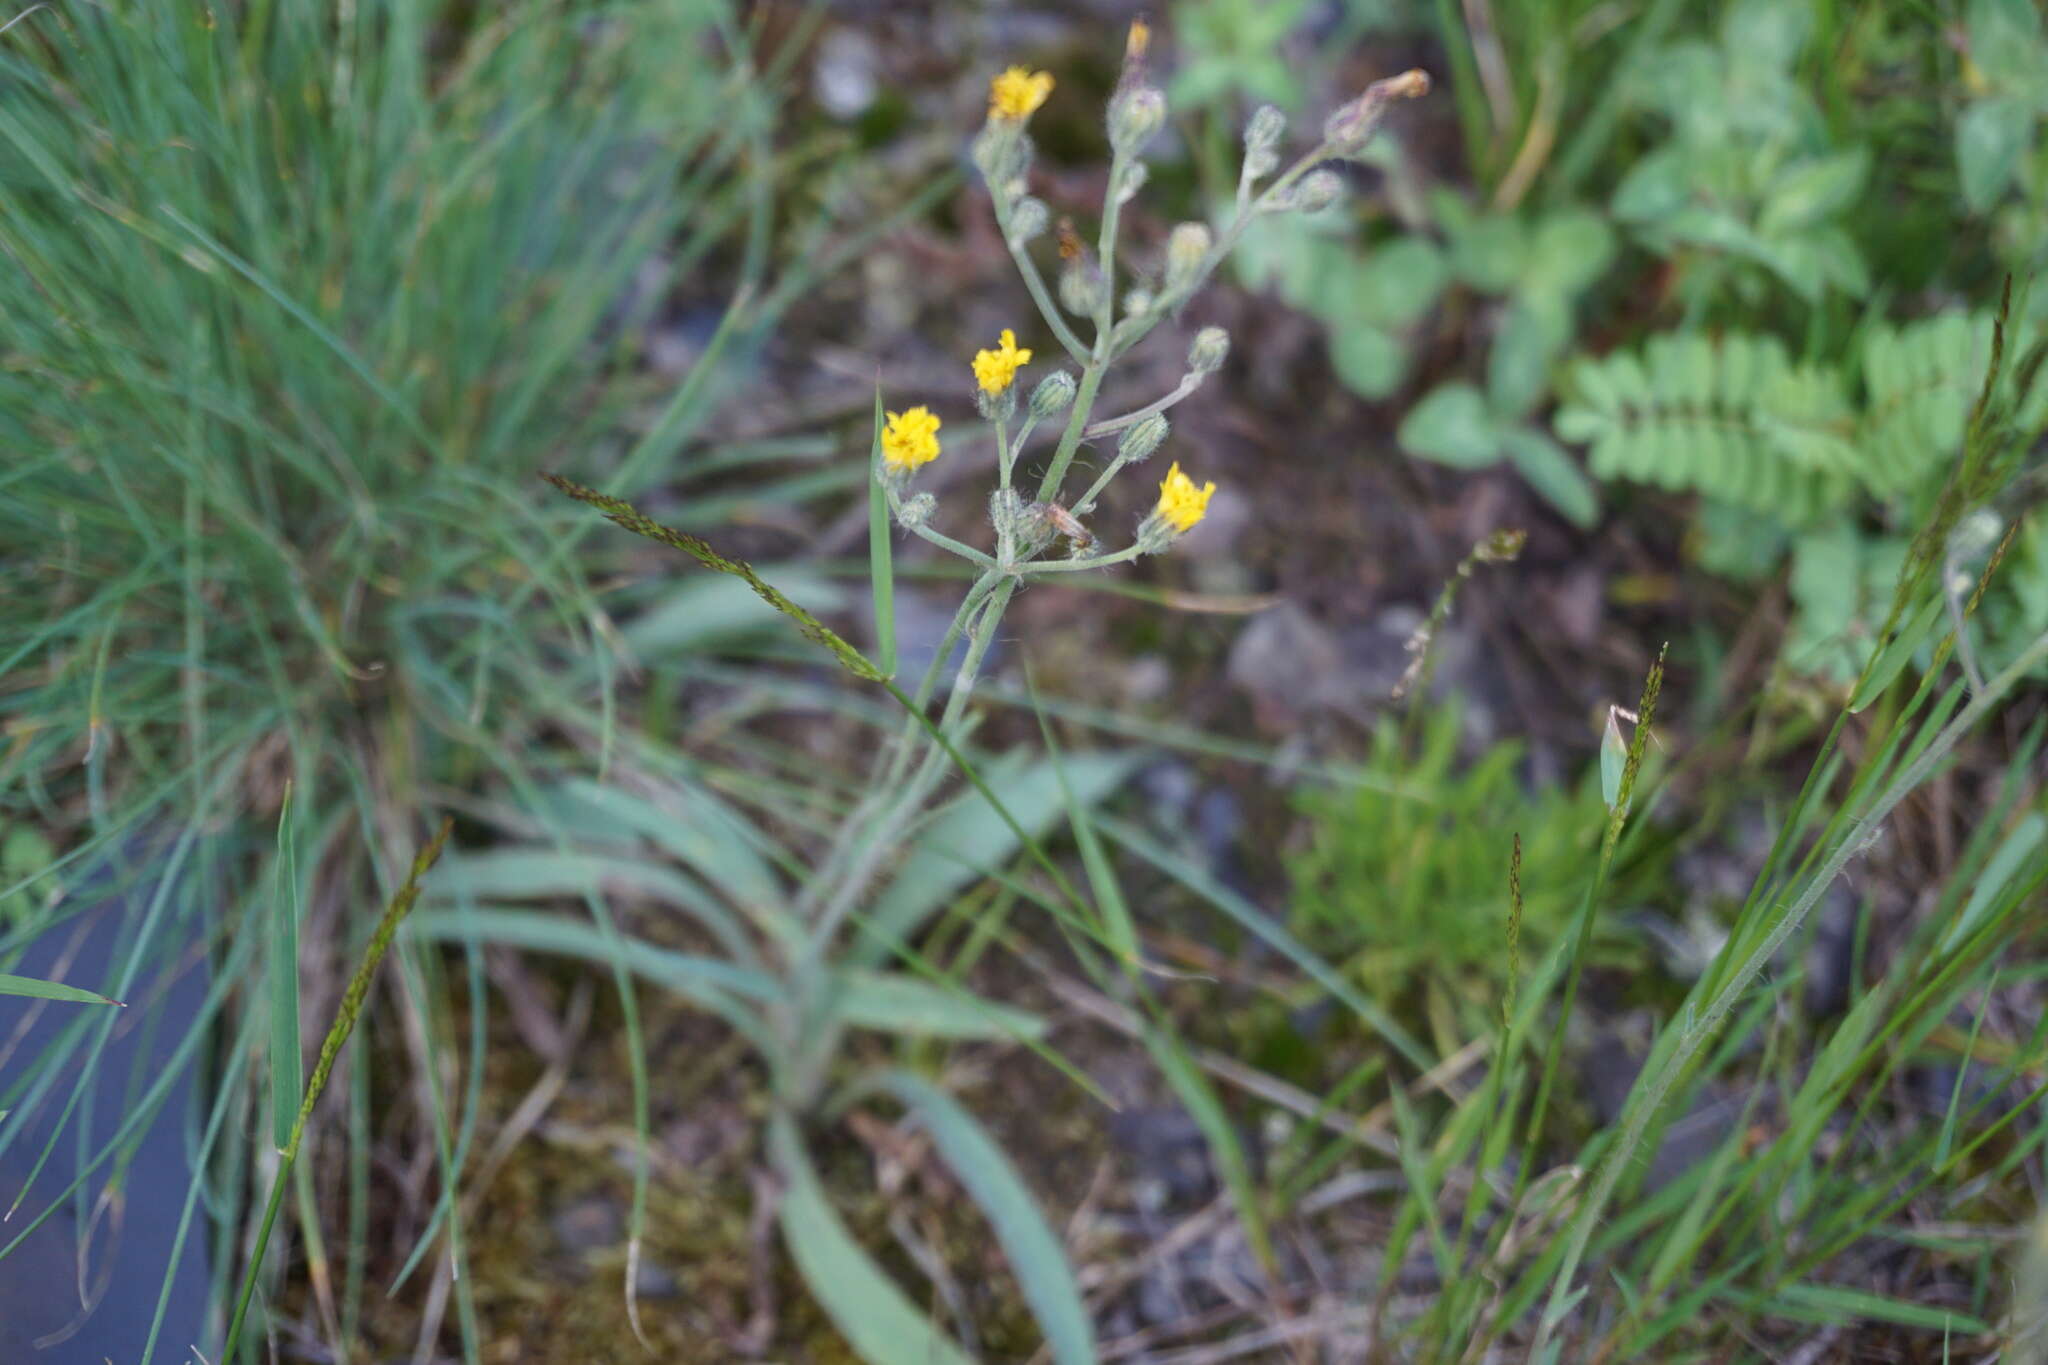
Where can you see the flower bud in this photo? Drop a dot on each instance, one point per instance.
(1052, 395)
(1142, 438)
(1187, 247)
(1082, 288)
(1317, 191)
(1001, 153)
(1028, 219)
(1351, 127)
(915, 512)
(1135, 176)
(1262, 141)
(1137, 302)
(999, 406)
(1135, 114)
(1015, 523)
(1208, 351)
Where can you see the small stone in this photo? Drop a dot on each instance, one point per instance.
(1288, 662)
(654, 1280)
(593, 1223)
(843, 78)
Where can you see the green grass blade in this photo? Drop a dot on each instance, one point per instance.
(38, 989)
(287, 1068)
(1199, 1098)
(881, 553)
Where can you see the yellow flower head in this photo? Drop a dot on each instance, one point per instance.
(1017, 93)
(1181, 504)
(910, 439)
(994, 370)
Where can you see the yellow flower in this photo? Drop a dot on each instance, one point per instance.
(1017, 93)
(910, 439)
(1181, 504)
(994, 370)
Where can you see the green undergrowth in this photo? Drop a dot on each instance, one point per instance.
(300, 303)
(1398, 880)
(1746, 251)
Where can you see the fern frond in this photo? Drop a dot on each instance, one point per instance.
(1738, 419)
(1735, 418)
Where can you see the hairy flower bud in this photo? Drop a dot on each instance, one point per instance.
(1016, 523)
(1052, 395)
(1187, 247)
(1002, 153)
(916, 511)
(1142, 438)
(1135, 176)
(1028, 219)
(1262, 141)
(1135, 114)
(1317, 191)
(1351, 127)
(1082, 288)
(999, 406)
(1137, 302)
(1208, 351)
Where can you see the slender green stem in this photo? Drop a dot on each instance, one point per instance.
(878, 838)
(1188, 384)
(899, 755)
(1004, 455)
(1085, 504)
(946, 542)
(1241, 219)
(1105, 250)
(1034, 282)
(1070, 439)
(1123, 556)
(939, 538)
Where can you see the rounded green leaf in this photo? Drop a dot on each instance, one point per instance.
(1452, 426)
(1991, 136)
(1567, 253)
(1399, 281)
(1553, 473)
(1367, 359)
(1532, 333)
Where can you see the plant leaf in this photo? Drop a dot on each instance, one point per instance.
(731, 992)
(1991, 136)
(1035, 1254)
(38, 989)
(1554, 474)
(894, 1002)
(969, 838)
(1452, 426)
(874, 1316)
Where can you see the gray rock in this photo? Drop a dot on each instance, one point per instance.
(593, 1223)
(843, 78)
(1289, 663)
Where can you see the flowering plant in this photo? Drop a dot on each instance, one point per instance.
(829, 980)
